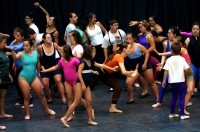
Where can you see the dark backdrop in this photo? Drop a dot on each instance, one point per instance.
(168, 12)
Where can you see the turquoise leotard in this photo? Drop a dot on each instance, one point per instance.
(29, 64)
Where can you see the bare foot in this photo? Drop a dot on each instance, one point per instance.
(93, 116)
(186, 113)
(92, 123)
(70, 118)
(27, 117)
(6, 116)
(156, 105)
(2, 127)
(115, 111)
(64, 122)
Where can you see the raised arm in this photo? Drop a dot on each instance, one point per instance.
(15, 56)
(186, 34)
(37, 4)
(102, 27)
(158, 29)
(6, 35)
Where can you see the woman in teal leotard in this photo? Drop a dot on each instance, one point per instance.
(27, 77)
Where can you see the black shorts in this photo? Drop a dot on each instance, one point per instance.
(50, 74)
(4, 86)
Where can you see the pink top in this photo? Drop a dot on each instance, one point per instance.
(186, 34)
(69, 69)
(186, 57)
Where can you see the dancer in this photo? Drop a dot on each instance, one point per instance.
(51, 24)
(106, 76)
(5, 78)
(82, 84)
(69, 63)
(48, 57)
(176, 66)
(30, 61)
(94, 33)
(148, 42)
(29, 21)
(154, 26)
(71, 26)
(172, 33)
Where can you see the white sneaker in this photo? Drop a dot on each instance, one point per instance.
(195, 90)
(184, 117)
(189, 104)
(174, 115)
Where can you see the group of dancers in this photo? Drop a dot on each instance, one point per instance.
(92, 54)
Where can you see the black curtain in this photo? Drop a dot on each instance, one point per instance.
(168, 12)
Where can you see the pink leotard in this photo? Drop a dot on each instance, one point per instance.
(187, 58)
(69, 69)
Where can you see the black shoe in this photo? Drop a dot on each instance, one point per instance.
(130, 102)
(143, 95)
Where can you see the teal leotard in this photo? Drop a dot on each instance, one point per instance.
(29, 64)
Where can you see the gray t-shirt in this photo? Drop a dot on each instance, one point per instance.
(69, 28)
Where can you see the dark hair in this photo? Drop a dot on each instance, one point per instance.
(119, 51)
(112, 21)
(16, 29)
(70, 14)
(195, 23)
(29, 41)
(81, 24)
(133, 36)
(2, 37)
(30, 14)
(154, 33)
(22, 33)
(76, 36)
(67, 52)
(30, 31)
(175, 30)
(89, 16)
(87, 54)
(44, 37)
(181, 39)
(145, 24)
(176, 48)
(54, 20)
(154, 18)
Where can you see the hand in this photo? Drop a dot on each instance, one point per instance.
(42, 68)
(144, 66)
(96, 72)
(159, 67)
(163, 84)
(36, 4)
(83, 87)
(135, 72)
(117, 38)
(13, 47)
(133, 23)
(115, 68)
(11, 78)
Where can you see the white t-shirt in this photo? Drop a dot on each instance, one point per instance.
(176, 66)
(38, 39)
(34, 27)
(69, 28)
(77, 49)
(110, 35)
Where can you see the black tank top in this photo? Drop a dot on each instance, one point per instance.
(48, 60)
(53, 38)
(194, 50)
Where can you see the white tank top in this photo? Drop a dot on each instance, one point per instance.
(95, 36)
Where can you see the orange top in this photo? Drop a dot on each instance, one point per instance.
(115, 62)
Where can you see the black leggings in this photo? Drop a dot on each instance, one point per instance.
(107, 79)
(99, 57)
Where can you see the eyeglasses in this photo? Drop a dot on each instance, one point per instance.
(26, 18)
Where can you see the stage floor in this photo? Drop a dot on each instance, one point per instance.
(137, 117)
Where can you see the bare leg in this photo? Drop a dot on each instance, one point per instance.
(77, 99)
(58, 81)
(70, 95)
(25, 88)
(45, 82)
(190, 89)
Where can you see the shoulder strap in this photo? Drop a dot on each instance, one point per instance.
(109, 38)
(120, 35)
